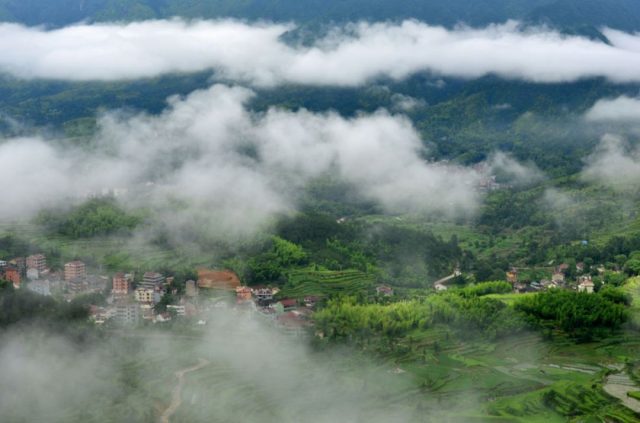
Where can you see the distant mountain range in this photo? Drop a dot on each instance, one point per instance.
(576, 16)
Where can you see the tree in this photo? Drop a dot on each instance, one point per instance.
(166, 300)
(287, 252)
(632, 266)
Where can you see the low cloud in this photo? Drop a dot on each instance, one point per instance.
(350, 55)
(513, 171)
(562, 207)
(622, 109)
(614, 162)
(33, 173)
(406, 103)
(557, 200)
(208, 163)
(249, 371)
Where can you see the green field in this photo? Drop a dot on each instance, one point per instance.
(309, 281)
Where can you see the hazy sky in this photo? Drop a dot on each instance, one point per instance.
(350, 55)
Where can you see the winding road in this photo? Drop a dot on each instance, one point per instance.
(618, 385)
(176, 396)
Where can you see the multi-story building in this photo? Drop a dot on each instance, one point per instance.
(127, 314)
(74, 270)
(12, 275)
(151, 280)
(77, 286)
(144, 295)
(121, 285)
(37, 261)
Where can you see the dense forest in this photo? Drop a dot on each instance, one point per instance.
(578, 15)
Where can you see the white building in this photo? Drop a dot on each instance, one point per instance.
(127, 314)
(585, 284)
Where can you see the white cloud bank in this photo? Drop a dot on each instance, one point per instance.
(348, 56)
(617, 110)
(208, 159)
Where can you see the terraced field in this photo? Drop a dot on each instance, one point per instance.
(251, 372)
(326, 282)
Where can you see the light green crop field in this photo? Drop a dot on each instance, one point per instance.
(309, 281)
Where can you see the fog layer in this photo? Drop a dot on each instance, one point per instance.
(349, 55)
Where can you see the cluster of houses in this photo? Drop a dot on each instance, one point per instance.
(34, 274)
(583, 282)
(293, 315)
(131, 301)
(487, 181)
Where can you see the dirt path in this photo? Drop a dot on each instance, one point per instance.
(176, 396)
(618, 385)
(520, 375)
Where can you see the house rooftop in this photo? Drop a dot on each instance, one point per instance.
(288, 302)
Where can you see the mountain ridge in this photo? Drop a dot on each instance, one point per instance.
(565, 14)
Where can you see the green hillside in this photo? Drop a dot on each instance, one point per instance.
(575, 15)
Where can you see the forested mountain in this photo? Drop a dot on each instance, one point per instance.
(386, 211)
(459, 120)
(568, 14)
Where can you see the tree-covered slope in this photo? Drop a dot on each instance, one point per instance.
(623, 14)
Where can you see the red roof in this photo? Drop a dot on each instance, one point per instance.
(288, 302)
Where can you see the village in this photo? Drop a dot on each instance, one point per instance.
(559, 280)
(155, 298)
